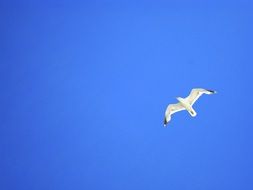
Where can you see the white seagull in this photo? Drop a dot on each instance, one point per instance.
(185, 103)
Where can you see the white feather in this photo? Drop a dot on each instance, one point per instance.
(185, 103)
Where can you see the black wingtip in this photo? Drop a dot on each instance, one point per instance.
(165, 122)
(212, 91)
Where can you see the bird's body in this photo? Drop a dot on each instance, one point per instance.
(187, 106)
(185, 103)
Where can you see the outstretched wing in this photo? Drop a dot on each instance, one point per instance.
(172, 108)
(196, 93)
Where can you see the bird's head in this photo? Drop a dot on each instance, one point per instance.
(179, 98)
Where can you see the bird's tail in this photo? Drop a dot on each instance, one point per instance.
(192, 112)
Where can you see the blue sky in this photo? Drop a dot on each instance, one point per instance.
(84, 87)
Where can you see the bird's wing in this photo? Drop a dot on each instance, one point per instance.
(172, 108)
(196, 93)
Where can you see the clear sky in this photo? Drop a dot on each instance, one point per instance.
(85, 84)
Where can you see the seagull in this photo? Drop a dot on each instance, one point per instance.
(185, 103)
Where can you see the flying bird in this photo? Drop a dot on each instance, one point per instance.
(185, 103)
